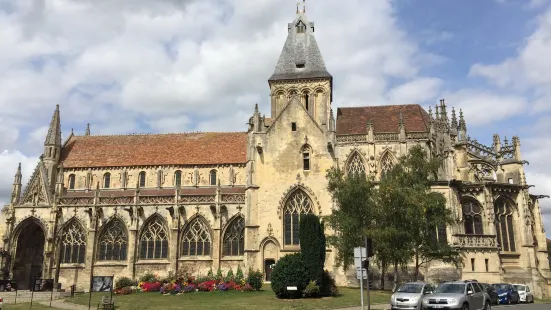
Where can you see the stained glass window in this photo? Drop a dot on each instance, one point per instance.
(196, 240)
(298, 204)
(355, 165)
(154, 240)
(72, 181)
(387, 163)
(73, 244)
(234, 238)
(472, 217)
(504, 225)
(113, 242)
(107, 180)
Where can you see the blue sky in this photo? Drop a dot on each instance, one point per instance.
(189, 65)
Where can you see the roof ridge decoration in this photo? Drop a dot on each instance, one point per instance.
(162, 134)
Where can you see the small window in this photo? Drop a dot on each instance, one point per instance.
(213, 177)
(486, 262)
(293, 126)
(178, 178)
(306, 160)
(141, 179)
(472, 264)
(72, 181)
(306, 103)
(300, 66)
(107, 180)
(301, 28)
(511, 181)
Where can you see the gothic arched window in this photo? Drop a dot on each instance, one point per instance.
(387, 163)
(196, 240)
(355, 165)
(73, 244)
(298, 204)
(113, 242)
(107, 180)
(141, 179)
(154, 240)
(71, 181)
(178, 178)
(234, 238)
(504, 225)
(212, 177)
(472, 218)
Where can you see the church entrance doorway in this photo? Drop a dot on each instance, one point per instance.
(29, 255)
(268, 263)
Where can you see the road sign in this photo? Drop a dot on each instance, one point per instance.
(361, 273)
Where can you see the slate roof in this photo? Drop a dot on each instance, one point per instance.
(155, 149)
(385, 119)
(301, 49)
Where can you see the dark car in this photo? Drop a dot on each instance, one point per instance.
(506, 293)
(491, 292)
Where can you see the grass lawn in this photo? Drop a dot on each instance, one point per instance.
(264, 299)
(543, 301)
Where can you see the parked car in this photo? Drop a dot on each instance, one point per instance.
(524, 293)
(506, 293)
(410, 295)
(1, 302)
(490, 290)
(464, 295)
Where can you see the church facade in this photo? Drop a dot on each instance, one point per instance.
(129, 204)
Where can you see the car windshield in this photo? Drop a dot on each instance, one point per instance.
(503, 287)
(451, 288)
(521, 288)
(410, 288)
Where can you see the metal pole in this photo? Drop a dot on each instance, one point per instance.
(51, 296)
(367, 275)
(361, 281)
(32, 295)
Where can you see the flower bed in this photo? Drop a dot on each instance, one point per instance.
(188, 284)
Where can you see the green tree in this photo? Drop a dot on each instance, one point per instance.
(312, 246)
(355, 203)
(413, 214)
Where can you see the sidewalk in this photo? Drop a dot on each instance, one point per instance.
(60, 304)
(374, 307)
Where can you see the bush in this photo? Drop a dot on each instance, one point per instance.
(230, 276)
(219, 275)
(328, 286)
(149, 277)
(289, 271)
(254, 278)
(124, 282)
(312, 246)
(239, 277)
(312, 290)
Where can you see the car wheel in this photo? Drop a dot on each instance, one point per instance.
(488, 306)
(465, 307)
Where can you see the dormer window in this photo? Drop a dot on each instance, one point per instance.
(301, 27)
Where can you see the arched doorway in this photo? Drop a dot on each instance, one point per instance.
(29, 255)
(270, 257)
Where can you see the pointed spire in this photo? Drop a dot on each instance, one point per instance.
(454, 120)
(436, 113)
(462, 128)
(430, 113)
(443, 112)
(304, 6)
(402, 134)
(401, 123)
(87, 132)
(54, 132)
(18, 176)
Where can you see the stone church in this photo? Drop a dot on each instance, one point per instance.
(128, 204)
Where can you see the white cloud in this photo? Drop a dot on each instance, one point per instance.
(416, 91)
(9, 161)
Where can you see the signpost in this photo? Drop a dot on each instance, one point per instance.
(359, 256)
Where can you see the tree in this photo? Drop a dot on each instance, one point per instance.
(549, 251)
(312, 246)
(409, 204)
(289, 271)
(355, 203)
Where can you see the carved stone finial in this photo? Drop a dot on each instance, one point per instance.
(87, 132)
(454, 120)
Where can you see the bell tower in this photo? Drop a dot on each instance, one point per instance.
(300, 71)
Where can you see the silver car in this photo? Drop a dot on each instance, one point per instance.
(410, 296)
(466, 295)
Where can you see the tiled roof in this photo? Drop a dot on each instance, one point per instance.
(156, 149)
(384, 119)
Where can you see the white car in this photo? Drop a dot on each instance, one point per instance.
(524, 293)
